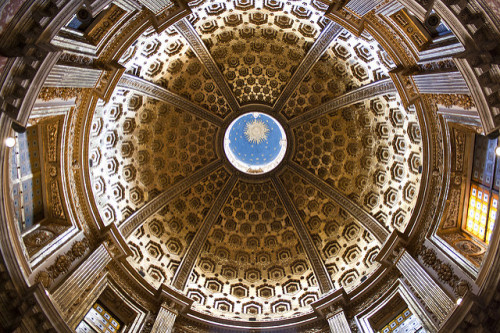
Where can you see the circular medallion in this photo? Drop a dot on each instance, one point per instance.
(255, 143)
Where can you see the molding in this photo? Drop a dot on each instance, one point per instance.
(368, 91)
(324, 281)
(176, 300)
(368, 221)
(182, 274)
(153, 90)
(328, 35)
(325, 305)
(193, 39)
(391, 251)
(137, 219)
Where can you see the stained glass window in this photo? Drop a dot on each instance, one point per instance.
(483, 195)
(98, 320)
(405, 322)
(26, 179)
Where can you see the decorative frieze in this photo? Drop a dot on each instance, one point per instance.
(444, 270)
(449, 100)
(62, 263)
(64, 93)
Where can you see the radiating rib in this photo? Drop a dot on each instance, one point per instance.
(137, 219)
(187, 263)
(318, 266)
(371, 90)
(153, 90)
(368, 221)
(325, 39)
(193, 38)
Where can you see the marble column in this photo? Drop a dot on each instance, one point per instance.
(362, 7)
(165, 319)
(338, 322)
(76, 286)
(72, 77)
(432, 295)
(441, 83)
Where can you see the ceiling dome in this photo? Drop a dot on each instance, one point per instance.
(255, 244)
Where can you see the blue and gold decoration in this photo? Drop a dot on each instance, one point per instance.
(254, 141)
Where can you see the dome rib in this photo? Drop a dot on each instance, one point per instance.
(377, 88)
(325, 39)
(187, 263)
(368, 221)
(138, 218)
(318, 266)
(186, 29)
(150, 89)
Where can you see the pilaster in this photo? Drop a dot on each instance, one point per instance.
(441, 83)
(362, 7)
(80, 284)
(72, 76)
(338, 322)
(165, 319)
(425, 288)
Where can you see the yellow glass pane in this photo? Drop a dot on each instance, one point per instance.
(492, 216)
(478, 218)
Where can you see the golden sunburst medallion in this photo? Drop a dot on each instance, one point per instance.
(256, 131)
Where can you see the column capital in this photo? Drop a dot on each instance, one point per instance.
(173, 300)
(331, 304)
(392, 250)
(115, 243)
